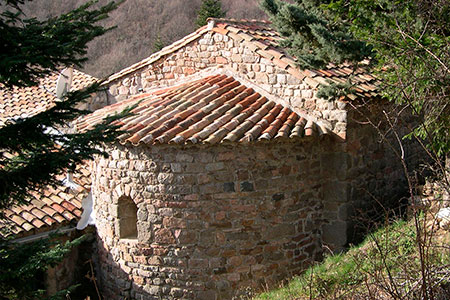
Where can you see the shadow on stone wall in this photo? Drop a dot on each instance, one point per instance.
(120, 281)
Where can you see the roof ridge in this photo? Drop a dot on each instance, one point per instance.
(240, 21)
(177, 45)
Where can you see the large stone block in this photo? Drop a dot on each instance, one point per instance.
(335, 235)
(335, 191)
(335, 164)
(164, 236)
(281, 230)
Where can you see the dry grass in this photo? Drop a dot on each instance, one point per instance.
(385, 266)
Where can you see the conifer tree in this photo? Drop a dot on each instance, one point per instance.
(29, 50)
(209, 9)
(406, 43)
(159, 43)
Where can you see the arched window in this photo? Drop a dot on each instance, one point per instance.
(127, 218)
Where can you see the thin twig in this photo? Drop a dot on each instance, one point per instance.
(92, 278)
(404, 34)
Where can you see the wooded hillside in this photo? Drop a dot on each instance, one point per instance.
(139, 24)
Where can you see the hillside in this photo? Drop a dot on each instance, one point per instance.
(387, 265)
(139, 23)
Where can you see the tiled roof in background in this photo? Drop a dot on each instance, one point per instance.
(49, 209)
(261, 38)
(24, 102)
(211, 110)
(52, 207)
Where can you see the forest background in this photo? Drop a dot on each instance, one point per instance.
(142, 27)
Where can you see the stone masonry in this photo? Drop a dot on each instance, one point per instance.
(211, 221)
(214, 50)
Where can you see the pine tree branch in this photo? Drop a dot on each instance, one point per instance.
(30, 49)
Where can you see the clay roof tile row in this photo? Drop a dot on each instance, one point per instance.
(53, 206)
(24, 102)
(48, 209)
(214, 109)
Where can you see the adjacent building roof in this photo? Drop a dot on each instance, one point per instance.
(49, 209)
(261, 38)
(52, 207)
(215, 109)
(24, 102)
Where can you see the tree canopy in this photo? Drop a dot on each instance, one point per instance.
(407, 45)
(209, 9)
(34, 150)
(31, 49)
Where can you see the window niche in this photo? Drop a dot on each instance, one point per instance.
(127, 218)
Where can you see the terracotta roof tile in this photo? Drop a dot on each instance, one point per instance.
(27, 227)
(27, 216)
(221, 30)
(214, 109)
(59, 219)
(280, 63)
(23, 102)
(49, 211)
(49, 208)
(296, 73)
(39, 214)
(68, 206)
(37, 223)
(17, 220)
(68, 215)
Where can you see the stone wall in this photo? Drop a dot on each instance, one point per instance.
(72, 269)
(211, 221)
(97, 100)
(365, 178)
(64, 274)
(214, 50)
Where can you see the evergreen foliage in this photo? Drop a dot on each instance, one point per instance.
(159, 43)
(407, 45)
(34, 150)
(209, 9)
(24, 266)
(30, 49)
(41, 150)
(311, 37)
